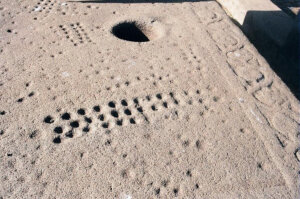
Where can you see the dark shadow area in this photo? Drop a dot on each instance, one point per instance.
(276, 37)
(291, 7)
(129, 31)
(137, 1)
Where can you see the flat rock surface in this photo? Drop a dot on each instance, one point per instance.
(195, 112)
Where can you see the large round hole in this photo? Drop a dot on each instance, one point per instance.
(137, 31)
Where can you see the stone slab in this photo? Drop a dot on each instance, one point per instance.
(195, 112)
(261, 17)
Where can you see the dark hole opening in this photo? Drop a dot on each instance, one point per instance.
(58, 130)
(165, 104)
(127, 112)
(114, 113)
(57, 140)
(140, 109)
(48, 119)
(66, 116)
(69, 134)
(101, 117)
(159, 96)
(153, 108)
(112, 104)
(86, 129)
(129, 31)
(157, 191)
(88, 120)
(74, 124)
(105, 125)
(124, 102)
(96, 108)
(132, 121)
(175, 191)
(135, 100)
(119, 122)
(81, 111)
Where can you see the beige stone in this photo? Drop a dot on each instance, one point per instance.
(85, 114)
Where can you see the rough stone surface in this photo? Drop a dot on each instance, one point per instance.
(261, 17)
(195, 112)
(239, 8)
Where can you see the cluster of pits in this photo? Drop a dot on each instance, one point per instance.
(154, 78)
(75, 33)
(44, 6)
(51, 6)
(117, 113)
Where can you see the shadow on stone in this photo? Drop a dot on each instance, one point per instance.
(291, 7)
(276, 37)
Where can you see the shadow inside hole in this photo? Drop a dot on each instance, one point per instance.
(105, 125)
(129, 31)
(101, 117)
(48, 119)
(86, 129)
(66, 116)
(81, 111)
(132, 121)
(69, 134)
(112, 104)
(96, 108)
(74, 124)
(165, 104)
(58, 130)
(140, 109)
(114, 113)
(88, 120)
(153, 107)
(119, 122)
(57, 140)
(124, 103)
(127, 112)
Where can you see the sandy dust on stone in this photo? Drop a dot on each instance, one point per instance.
(190, 111)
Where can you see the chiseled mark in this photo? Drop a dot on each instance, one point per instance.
(281, 141)
(232, 69)
(297, 154)
(256, 116)
(260, 78)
